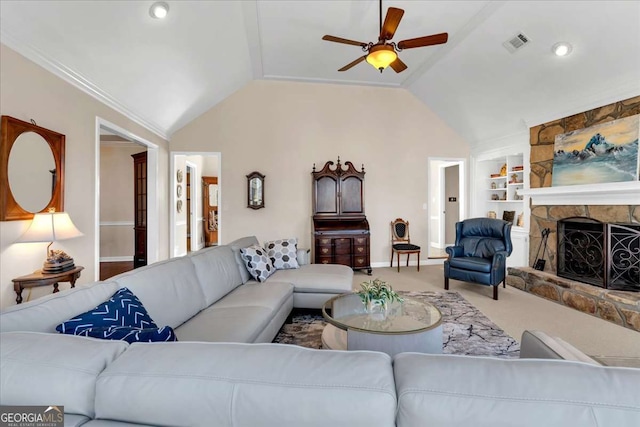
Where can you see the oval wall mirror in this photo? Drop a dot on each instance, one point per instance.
(31, 170)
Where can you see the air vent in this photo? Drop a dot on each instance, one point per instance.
(516, 42)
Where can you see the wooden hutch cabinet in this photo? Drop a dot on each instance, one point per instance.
(340, 227)
(140, 209)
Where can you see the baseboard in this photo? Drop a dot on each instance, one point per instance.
(116, 259)
(435, 261)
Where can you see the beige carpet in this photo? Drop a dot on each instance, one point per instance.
(517, 311)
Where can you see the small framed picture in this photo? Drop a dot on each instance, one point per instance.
(508, 216)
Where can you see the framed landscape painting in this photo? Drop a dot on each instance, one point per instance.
(607, 152)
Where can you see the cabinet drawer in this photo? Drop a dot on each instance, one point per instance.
(360, 261)
(324, 250)
(323, 260)
(359, 250)
(323, 241)
(361, 240)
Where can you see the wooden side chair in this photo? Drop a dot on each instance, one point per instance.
(401, 242)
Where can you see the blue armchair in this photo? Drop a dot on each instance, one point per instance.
(480, 253)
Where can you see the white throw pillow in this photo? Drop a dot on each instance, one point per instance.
(257, 262)
(283, 253)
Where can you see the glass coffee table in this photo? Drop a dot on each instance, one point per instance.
(408, 326)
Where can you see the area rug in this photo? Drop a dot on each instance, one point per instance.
(465, 329)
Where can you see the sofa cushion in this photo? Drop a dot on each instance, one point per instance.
(122, 309)
(226, 324)
(484, 247)
(169, 290)
(472, 263)
(247, 385)
(252, 294)
(539, 345)
(317, 278)
(258, 263)
(217, 272)
(43, 368)
(524, 392)
(130, 334)
(236, 245)
(45, 313)
(283, 253)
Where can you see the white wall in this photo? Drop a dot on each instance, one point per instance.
(117, 201)
(282, 128)
(27, 91)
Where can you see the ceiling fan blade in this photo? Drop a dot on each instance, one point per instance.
(424, 41)
(356, 62)
(391, 22)
(344, 41)
(398, 66)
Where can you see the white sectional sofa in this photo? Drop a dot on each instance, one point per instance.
(205, 296)
(242, 379)
(110, 383)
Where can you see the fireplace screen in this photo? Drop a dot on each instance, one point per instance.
(624, 256)
(581, 254)
(605, 255)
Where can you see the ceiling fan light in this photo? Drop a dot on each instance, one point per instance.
(381, 56)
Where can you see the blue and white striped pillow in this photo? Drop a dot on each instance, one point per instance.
(131, 335)
(122, 309)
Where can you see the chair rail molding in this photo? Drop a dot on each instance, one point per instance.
(613, 193)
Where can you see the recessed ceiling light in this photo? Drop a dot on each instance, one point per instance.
(562, 48)
(159, 10)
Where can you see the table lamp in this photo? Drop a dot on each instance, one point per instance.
(50, 227)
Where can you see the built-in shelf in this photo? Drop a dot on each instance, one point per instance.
(617, 193)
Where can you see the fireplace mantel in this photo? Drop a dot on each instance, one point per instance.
(615, 193)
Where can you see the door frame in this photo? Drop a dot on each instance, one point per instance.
(153, 208)
(173, 183)
(434, 190)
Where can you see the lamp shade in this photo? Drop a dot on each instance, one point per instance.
(50, 227)
(381, 56)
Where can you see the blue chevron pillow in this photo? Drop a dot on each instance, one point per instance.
(122, 309)
(131, 335)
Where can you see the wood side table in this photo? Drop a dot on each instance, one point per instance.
(38, 278)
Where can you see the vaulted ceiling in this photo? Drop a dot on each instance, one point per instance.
(165, 73)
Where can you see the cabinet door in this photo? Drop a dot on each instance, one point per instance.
(342, 246)
(326, 196)
(351, 196)
(140, 209)
(520, 255)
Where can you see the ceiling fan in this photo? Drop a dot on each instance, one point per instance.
(383, 54)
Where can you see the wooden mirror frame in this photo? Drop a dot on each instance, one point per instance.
(12, 128)
(251, 176)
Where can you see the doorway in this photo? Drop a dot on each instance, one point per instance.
(187, 221)
(447, 202)
(114, 200)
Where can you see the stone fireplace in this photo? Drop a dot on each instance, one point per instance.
(600, 207)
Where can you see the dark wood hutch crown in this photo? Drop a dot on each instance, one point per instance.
(340, 227)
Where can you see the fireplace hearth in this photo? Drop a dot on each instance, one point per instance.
(601, 254)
